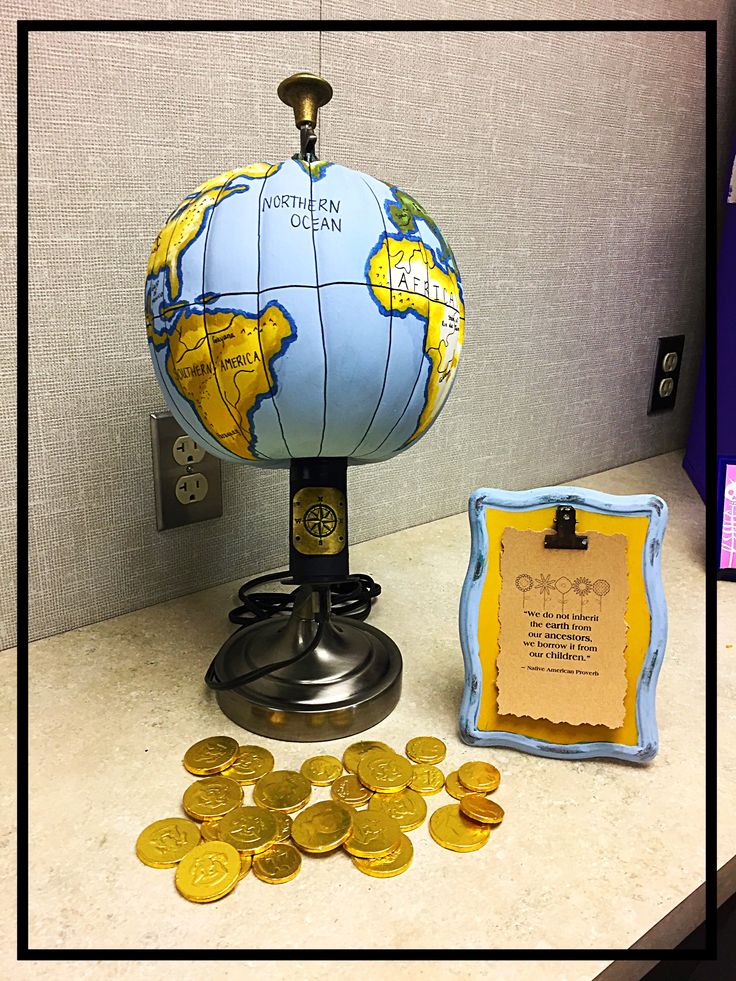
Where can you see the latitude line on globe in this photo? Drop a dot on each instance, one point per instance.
(390, 322)
(311, 286)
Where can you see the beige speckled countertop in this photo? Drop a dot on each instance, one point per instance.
(592, 853)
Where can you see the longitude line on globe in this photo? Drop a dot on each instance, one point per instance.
(319, 310)
(421, 364)
(210, 219)
(269, 377)
(391, 315)
(170, 387)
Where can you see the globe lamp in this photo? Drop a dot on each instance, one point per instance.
(305, 315)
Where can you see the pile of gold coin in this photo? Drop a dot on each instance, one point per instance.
(223, 838)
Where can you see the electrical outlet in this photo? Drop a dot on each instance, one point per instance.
(187, 480)
(187, 450)
(191, 488)
(666, 374)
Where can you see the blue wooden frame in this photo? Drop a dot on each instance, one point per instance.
(587, 500)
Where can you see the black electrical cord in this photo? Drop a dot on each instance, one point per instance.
(351, 598)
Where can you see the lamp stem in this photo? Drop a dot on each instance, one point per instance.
(318, 545)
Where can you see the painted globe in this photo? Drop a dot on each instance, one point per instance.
(302, 310)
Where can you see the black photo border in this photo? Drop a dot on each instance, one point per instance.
(27, 27)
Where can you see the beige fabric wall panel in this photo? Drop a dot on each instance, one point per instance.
(566, 171)
(122, 127)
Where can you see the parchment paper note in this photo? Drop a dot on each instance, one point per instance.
(563, 629)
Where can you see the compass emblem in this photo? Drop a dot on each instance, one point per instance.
(318, 521)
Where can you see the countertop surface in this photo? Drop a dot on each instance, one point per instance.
(591, 853)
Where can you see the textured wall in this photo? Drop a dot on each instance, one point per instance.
(566, 170)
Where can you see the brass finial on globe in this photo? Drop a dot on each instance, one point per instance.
(306, 93)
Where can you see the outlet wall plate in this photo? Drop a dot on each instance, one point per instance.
(187, 481)
(666, 374)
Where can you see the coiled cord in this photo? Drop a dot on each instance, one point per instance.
(352, 598)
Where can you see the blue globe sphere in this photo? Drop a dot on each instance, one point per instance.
(303, 310)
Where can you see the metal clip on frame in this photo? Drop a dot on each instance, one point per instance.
(564, 536)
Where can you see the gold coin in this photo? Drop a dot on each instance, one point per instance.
(245, 863)
(351, 756)
(450, 828)
(454, 788)
(163, 844)
(426, 749)
(394, 863)
(249, 829)
(211, 755)
(406, 807)
(212, 797)
(385, 772)
(252, 763)
(321, 770)
(282, 790)
(349, 790)
(427, 779)
(481, 778)
(279, 863)
(284, 825)
(479, 808)
(322, 827)
(374, 834)
(209, 830)
(210, 871)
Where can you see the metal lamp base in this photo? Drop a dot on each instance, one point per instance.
(350, 682)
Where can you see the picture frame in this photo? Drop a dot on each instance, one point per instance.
(643, 519)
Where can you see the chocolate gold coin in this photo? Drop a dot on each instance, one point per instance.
(349, 790)
(321, 770)
(245, 863)
(282, 790)
(211, 755)
(279, 863)
(374, 834)
(406, 807)
(322, 827)
(450, 828)
(386, 773)
(351, 756)
(208, 830)
(428, 779)
(394, 863)
(212, 797)
(163, 844)
(283, 822)
(210, 871)
(252, 763)
(481, 778)
(426, 749)
(454, 788)
(249, 829)
(479, 808)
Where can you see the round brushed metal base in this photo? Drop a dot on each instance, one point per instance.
(350, 682)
